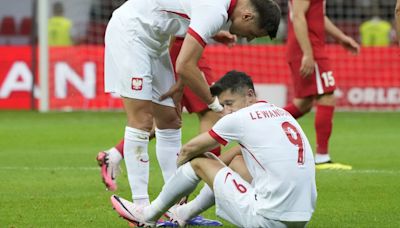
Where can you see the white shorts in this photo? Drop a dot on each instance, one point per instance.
(235, 201)
(130, 70)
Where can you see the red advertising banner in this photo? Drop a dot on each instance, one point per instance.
(369, 80)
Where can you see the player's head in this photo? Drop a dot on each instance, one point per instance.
(255, 18)
(235, 90)
(58, 9)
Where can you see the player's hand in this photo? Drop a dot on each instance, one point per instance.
(350, 44)
(226, 38)
(182, 159)
(307, 66)
(176, 93)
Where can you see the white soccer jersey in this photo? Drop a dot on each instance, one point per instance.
(278, 156)
(155, 20)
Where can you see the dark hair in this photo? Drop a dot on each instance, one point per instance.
(58, 8)
(269, 15)
(234, 81)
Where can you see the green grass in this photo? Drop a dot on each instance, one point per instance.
(49, 178)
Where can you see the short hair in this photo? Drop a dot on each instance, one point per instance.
(234, 81)
(58, 8)
(269, 15)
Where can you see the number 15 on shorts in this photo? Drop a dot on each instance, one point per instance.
(328, 79)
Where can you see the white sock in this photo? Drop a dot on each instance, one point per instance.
(321, 158)
(181, 184)
(168, 144)
(202, 202)
(137, 163)
(114, 155)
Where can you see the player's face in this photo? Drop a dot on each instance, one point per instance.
(233, 101)
(246, 27)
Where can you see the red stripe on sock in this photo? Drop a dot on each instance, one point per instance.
(323, 127)
(120, 147)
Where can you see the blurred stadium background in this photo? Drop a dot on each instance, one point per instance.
(370, 81)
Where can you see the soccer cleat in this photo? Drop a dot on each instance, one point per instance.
(332, 166)
(201, 221)
(130, 212)
(109, 170)
(166, 223)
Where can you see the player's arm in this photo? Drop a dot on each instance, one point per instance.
(196, 147)
(346, 41)
(299, 10)
(397, 15)
(191, 75)
(227, 157)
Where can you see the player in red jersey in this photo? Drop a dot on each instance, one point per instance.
(311, 72)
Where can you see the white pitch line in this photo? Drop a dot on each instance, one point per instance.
(364, 171)
(81, 168)
(92, 168)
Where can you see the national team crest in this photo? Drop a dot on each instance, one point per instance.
(137, 83)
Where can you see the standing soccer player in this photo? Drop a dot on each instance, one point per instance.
(275, 150)
(139, 69)
(109, 161)
(311, 72)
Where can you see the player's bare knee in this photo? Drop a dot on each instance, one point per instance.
(327, 99)
(144, 121)
(304, 104)
(168, 119)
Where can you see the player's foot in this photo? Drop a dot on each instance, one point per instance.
(166, 223)
(109, 170)
(174, 217)
(201, 221)
(332, 165)
(130, 212)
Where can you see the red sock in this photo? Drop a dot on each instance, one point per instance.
(216, 151)
(293, 110)
(323, 127)
(120, 147)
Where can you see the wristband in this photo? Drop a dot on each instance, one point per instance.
(216, 106)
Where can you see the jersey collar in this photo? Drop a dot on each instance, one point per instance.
(231, 7)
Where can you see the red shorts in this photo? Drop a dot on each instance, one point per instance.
(320, 82)
(190, 100)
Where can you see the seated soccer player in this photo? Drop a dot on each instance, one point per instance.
(276, 190)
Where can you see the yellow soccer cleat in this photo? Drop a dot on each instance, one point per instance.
(332, 166)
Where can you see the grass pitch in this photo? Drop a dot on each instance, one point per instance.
(49, 177)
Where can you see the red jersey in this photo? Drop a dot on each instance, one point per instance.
(316, 31)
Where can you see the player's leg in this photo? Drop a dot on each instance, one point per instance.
(136, 140)
(205, 199)
(168, 138)
(323, 127)
(109, 161)
(325, 106)
(132, 80)
(167, 117)
(183, 182)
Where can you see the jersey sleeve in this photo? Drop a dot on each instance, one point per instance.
(228, 128)
(206, 20)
